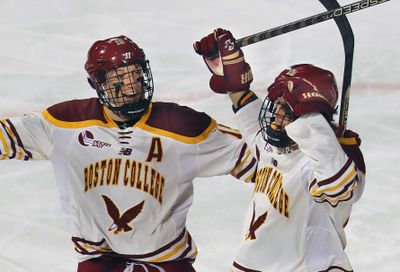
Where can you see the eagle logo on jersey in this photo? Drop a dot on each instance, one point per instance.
(255, 224)
(120, 223)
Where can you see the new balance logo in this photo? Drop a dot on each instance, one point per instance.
(125, 151)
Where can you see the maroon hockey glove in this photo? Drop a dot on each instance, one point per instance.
(301, 97)
(350, 142)
(230, 71)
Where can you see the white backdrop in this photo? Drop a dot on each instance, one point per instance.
(42, 51)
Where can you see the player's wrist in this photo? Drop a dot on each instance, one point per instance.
(241, 99)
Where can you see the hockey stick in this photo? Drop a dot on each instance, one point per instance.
(318, 18)
(348, 43)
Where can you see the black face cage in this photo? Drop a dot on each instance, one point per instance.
(271, 131)
(110, 93)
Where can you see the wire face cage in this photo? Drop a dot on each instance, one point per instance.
(127, 90)
(273, 118)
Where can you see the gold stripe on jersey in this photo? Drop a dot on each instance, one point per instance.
(90, 247)
(86, 247)
(11, 143)
(3, 140)
(5, 145)
(141, 124)
(76, 124)
(230, 131)
(334, 201)
(180, 248)
(183, 248)
(185, 139)
(337, 188)
(172, 252)
(316, 191)
(20, 153)
(249, 177)
(239, 167)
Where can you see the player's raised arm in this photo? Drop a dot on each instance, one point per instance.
(231, 74)
(306, 179)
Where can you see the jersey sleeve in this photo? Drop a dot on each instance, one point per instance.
(225, 152)
(247, 119)
(25, 138)
(334, 178)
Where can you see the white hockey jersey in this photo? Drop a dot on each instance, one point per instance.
(126, 192)
(302, 199)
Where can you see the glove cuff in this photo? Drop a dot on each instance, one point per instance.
(246, 98)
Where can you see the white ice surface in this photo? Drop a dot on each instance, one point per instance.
(42, 51)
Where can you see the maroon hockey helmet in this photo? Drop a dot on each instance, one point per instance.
(109, 55)
(321, 80)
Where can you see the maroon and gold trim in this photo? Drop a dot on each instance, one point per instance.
(245, 166)
(86, 247)
(338, 188)
(231, 131)
(247, 169)
(166, 119)
(337, 176)
(78, 110)
(13, 148)
(180, 248)
(78, 114)
(177, 122)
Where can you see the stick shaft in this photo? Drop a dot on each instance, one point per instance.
(348, 45)
(321, 17)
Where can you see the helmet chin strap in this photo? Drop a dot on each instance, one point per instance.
(127, 115)
(132, 111)
(278, 138)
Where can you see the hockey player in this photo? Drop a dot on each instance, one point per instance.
(307, 179)
(125, 165)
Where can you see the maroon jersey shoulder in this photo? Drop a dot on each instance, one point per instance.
(178, 119)
(78, 110)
